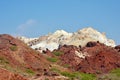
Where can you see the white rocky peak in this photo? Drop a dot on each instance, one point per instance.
(61, 32)
(96, 35)
(25, 39)
(87, 29)
(61, 37)
(90, 31)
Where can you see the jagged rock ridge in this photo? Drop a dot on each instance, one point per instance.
(61, 37)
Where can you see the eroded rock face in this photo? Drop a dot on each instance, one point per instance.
(72, 55)
(95, 58)
(101, 61)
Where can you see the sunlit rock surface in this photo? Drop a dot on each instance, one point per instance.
(61, 37)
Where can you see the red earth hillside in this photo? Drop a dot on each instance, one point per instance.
(6, 75)
(93, 58)
(16, 54)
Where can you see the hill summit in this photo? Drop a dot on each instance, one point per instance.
(61, 37)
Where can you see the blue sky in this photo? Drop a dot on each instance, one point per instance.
(33, 18)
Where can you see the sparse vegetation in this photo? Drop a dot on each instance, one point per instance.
(113, 75)
(85, 76)
(52, 59)
(68, 74)
(13, 48)
(29, 71)
(55, 70)
(3, 60)
(116, 72)
(78, 75)
(66, 65)
(46, 79)
(57, 53)
(75, 75)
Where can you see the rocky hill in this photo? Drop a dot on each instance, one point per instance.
(19, 62)
(83, 55)
(61, 37)
(94, 58)
(18, 54)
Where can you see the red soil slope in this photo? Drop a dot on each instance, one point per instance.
(16, 54)
(101, 58)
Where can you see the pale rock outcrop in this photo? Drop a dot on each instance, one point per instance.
(25, 39)
(44, 45)
(81, 54)
(89, 34)
(61, 37)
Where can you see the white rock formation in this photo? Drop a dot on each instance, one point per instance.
(81, 54)
(89, 34)
(25, 39)
(44, 45)
(61, 37)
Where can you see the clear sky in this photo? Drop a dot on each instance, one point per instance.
(33, 18)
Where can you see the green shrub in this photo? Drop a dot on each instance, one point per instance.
(57, 53)
(116, 72)
(68, 74)
(3, 60)
(78, 75)
(55, 70)
(29, 71)
(75, 75)
(13, 48)
(85, 76)
(52, 59)
(66, 65)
